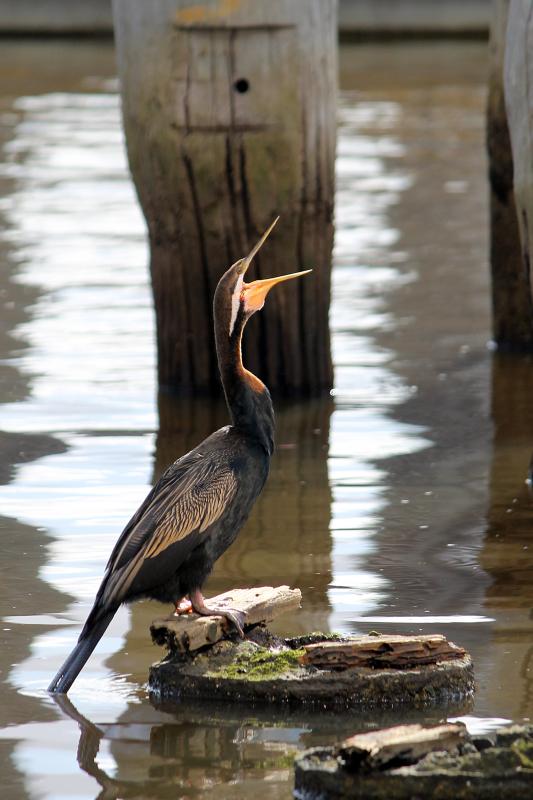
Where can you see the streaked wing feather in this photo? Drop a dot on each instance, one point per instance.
(200, 505)
(187, 503)
(153, 508)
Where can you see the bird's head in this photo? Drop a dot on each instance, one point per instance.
(236, 300)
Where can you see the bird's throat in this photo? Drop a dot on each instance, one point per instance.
(247, 397)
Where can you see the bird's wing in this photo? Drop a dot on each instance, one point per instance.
(153, 508)
(189, 497)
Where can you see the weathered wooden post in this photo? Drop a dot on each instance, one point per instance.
(511, 301)
(519, 103)
(229, 113)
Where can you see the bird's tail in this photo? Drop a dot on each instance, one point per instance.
(77, 659)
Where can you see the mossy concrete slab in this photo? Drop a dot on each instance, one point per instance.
(266, 669)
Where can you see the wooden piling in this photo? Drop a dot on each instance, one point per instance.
(511, 291)
(518, 82)
(229, 114)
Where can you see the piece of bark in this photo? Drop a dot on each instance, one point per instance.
(191, 632)
(400, 745)
(398, 652)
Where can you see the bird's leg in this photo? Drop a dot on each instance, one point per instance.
(182, 607)
(232, 614)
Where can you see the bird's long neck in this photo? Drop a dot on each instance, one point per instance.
(247, 397)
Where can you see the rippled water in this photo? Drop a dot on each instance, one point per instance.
(398, 503)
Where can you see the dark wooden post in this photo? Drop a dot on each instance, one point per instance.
(511, 300)
(229, 113)
(519, 103)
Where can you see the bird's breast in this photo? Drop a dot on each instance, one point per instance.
(250, 466)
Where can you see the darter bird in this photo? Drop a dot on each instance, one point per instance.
(197, 507)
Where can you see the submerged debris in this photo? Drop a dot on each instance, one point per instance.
(415, 761)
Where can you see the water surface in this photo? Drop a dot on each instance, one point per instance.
(398, 503)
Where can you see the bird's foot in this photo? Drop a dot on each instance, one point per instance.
(183, 607)
(232, 614)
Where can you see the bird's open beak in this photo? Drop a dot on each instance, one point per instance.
(245, 262)
(254, 293)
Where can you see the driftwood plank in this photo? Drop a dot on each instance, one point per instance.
(382, 651)
(402, 744)
(191, 632)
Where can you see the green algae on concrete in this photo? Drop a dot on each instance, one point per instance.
(258, 663)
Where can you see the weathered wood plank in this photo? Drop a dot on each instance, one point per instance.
(190, 632)
(382, 651)
(401, 744)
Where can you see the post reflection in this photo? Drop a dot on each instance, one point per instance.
(288, 539)
(191, 750)
(155, 754)
(507, 553)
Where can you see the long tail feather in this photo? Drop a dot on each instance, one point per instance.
(79, 656)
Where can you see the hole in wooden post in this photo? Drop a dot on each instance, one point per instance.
(241, 85)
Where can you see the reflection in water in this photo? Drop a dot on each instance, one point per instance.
(370, 182)
(158, 752)
(507, 553)
(436, 328)
(157, 757)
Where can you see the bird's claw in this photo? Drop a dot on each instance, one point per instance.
(235, 616)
